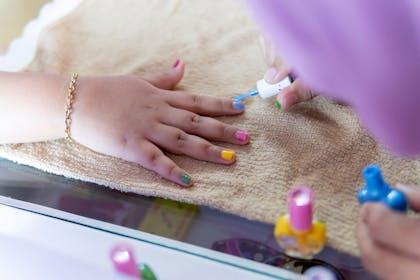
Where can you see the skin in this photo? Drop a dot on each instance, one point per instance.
(389, 240)
(278, 70)
(132, 118)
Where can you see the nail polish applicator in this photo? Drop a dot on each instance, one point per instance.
(266, 90)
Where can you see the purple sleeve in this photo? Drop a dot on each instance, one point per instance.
(366, 53)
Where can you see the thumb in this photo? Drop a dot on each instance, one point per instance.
(412, 194)
(169, 78)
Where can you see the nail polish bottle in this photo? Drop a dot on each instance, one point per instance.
(377, 190)
(297, 233)
(123, 259)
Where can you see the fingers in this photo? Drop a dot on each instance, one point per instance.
(413, 196)
(275, 74)
(151, 157)
(169, 78)
(203, 105)
(387, 227)
(177, 141)
(205, 127)
(294, 94)
(382, 261)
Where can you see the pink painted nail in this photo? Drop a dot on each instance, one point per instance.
(242, 135)
(176, 63)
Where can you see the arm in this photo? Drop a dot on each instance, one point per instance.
(128, 117)
(31, 107)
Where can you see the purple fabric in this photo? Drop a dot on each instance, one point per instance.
(364, 52)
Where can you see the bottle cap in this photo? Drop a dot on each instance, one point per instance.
(374, 179)
(300, 208)
(122, 256)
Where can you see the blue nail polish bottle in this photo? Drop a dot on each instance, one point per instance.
(377, 190)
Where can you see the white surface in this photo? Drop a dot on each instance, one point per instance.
(35, 246)
(22, 50)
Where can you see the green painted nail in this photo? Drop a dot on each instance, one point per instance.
(278, 105)
(146, 272)
(185, 178)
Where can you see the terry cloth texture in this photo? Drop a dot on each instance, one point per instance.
(319, 143)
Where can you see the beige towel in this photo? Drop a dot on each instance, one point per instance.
(317, 143)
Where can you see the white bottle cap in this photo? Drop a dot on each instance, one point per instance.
(267, 90)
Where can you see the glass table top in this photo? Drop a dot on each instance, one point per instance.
(196, 225)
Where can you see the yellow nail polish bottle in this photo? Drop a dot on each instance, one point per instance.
(297, 233)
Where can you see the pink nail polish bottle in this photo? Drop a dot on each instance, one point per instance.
(297, 233)
(122, 256)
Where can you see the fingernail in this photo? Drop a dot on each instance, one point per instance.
(270, 75)
(289, 100)
(185, 178)
(227, 155)
(241, 135)
(176, 63)
(238, 105)
(278, 105)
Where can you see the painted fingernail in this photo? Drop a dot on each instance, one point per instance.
(278, 105)
(176, 63)
(238, 105)
(241, 135)
(185, 178)
(227, 155)
(270, 75)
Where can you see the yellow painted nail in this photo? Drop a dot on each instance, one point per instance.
(228, 155)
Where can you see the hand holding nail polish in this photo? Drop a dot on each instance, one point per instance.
(278, 71)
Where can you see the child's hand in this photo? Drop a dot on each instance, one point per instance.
(389, 241)
(135, 119)
(297, 92)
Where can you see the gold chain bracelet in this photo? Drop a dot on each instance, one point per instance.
(69, 105)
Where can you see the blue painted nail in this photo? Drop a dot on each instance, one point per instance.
(238, 105)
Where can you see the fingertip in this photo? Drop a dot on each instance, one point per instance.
(242, 137)
(275, 75)
(412, 194)
(270, 74)
(185, 180)
(178, 67)
(287, 98)
(228, 156)
(238, 106)
(176, 64)
(169, 78)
